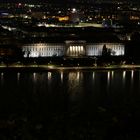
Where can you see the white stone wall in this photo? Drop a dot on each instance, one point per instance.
(58, 49)
(43, 50)
(95, 49)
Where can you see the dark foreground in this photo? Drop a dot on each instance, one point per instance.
(67, 105)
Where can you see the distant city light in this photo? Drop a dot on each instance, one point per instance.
(74, 10)
(19, 4)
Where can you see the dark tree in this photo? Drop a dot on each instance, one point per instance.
(104, 51)
(28, 54)
(109, 52)
(135, 36)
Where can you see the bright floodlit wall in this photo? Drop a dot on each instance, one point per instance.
(59, 49)
(95, 49)
(43, 49)
(75, 50)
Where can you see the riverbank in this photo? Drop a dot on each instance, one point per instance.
(57, 67)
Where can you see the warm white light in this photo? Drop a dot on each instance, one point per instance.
(49, 75)
(18, 76)
(61, 76)
(74, 10)
(34, 77)
(124, 74)
(132, 74)
(93, 75)
(81, 48)
(70, 48)
(78, 75)
(108, 76)
(112, 74)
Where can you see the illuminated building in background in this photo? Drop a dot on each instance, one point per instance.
(43, 50)
(71, 48)
(95, 49)
(75, 48)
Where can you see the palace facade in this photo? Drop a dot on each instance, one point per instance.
(72, 48)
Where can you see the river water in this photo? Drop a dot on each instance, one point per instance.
(69, 105)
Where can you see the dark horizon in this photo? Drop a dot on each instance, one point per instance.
(58, 1)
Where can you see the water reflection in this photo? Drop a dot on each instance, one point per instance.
(132, 78)
(75, 81)
(75, 84)
(112, 74)
(93, 75)
(49, 75)
(124, 77)
(85, 108)
(2, 78)
(34, 77)
(108, 78)
(18, 76)
(74, 76)
(132, 74)
(61, 75)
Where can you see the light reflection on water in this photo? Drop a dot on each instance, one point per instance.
(96, 100)
(2, 78)
(75, 83)
(93, 75)
(61, 74)
(132, 77)
(74, 76)
(78, 75)
(108, 78)
(112, 74)
(18, 76)
(132, 74)
(124, 75)
(34, 77)
(49, 75)
(75, 80)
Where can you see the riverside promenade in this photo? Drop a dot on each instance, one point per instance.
(61, 67)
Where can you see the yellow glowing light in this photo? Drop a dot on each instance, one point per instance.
(66, 18)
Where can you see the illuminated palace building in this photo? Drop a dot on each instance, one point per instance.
(72, 48)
